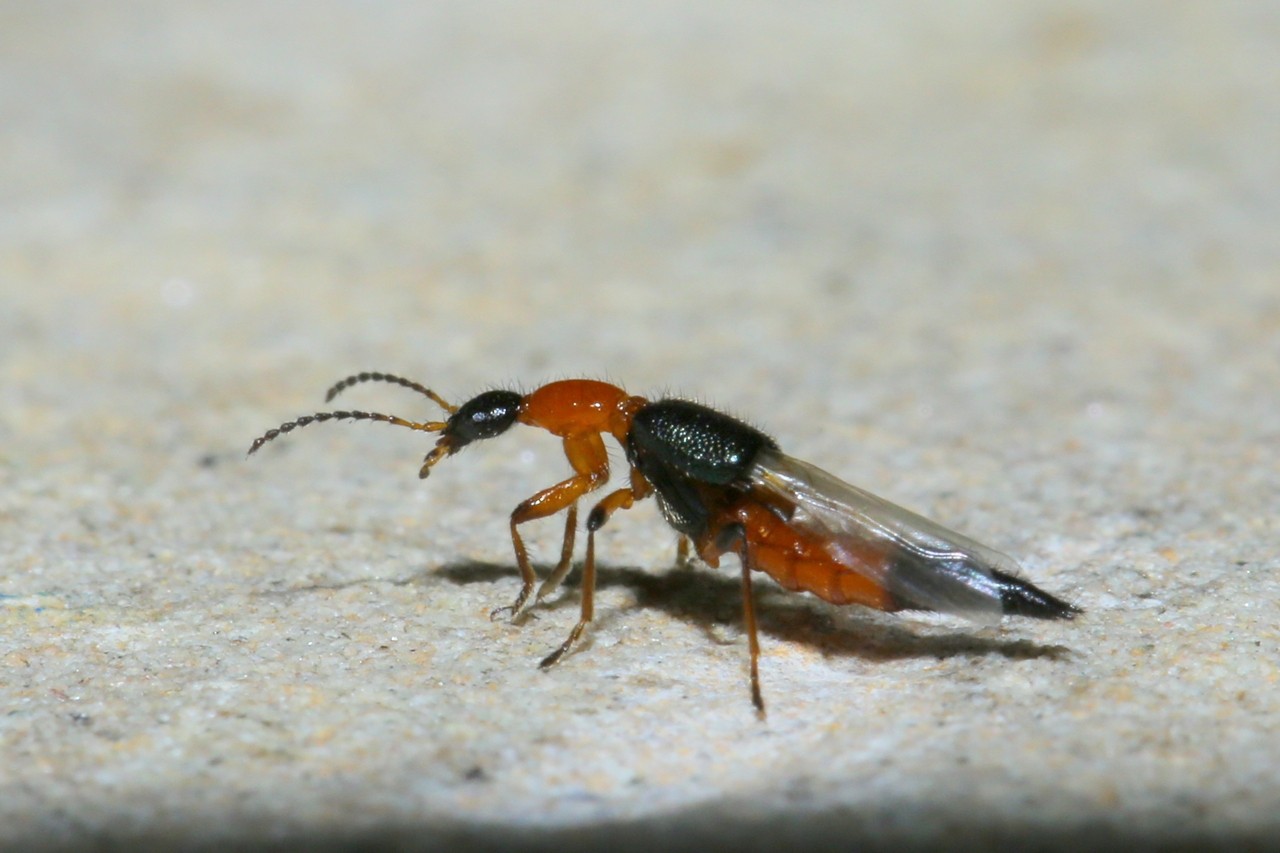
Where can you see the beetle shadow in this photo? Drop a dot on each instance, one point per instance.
(712, 599)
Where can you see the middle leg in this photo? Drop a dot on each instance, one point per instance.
(623, 498)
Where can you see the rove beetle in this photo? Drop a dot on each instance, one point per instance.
(727, 488)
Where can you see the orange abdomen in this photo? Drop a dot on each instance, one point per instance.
(800, 561)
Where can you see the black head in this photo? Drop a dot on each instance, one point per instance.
(484, 416)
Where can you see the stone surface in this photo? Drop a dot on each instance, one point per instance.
(1012, 264)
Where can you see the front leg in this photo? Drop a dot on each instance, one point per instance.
(590, 461)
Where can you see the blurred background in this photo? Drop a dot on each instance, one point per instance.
(838, 196)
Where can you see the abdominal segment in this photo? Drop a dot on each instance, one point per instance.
(795, 558)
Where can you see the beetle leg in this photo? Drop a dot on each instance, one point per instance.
(623, 498)
(590, 461)
(566, 556)
(732, 538)
(588, 605)
(682, 551)
(753, 641)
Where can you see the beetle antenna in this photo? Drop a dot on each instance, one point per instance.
(321, 417)
(374, 376)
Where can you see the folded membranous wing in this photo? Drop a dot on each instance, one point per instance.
(923, 565)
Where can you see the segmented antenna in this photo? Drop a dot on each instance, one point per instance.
(374, 376)
(321, 417)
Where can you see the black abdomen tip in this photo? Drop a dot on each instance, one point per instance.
(1021, 598)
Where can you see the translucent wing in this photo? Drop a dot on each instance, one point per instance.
(922, 564)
